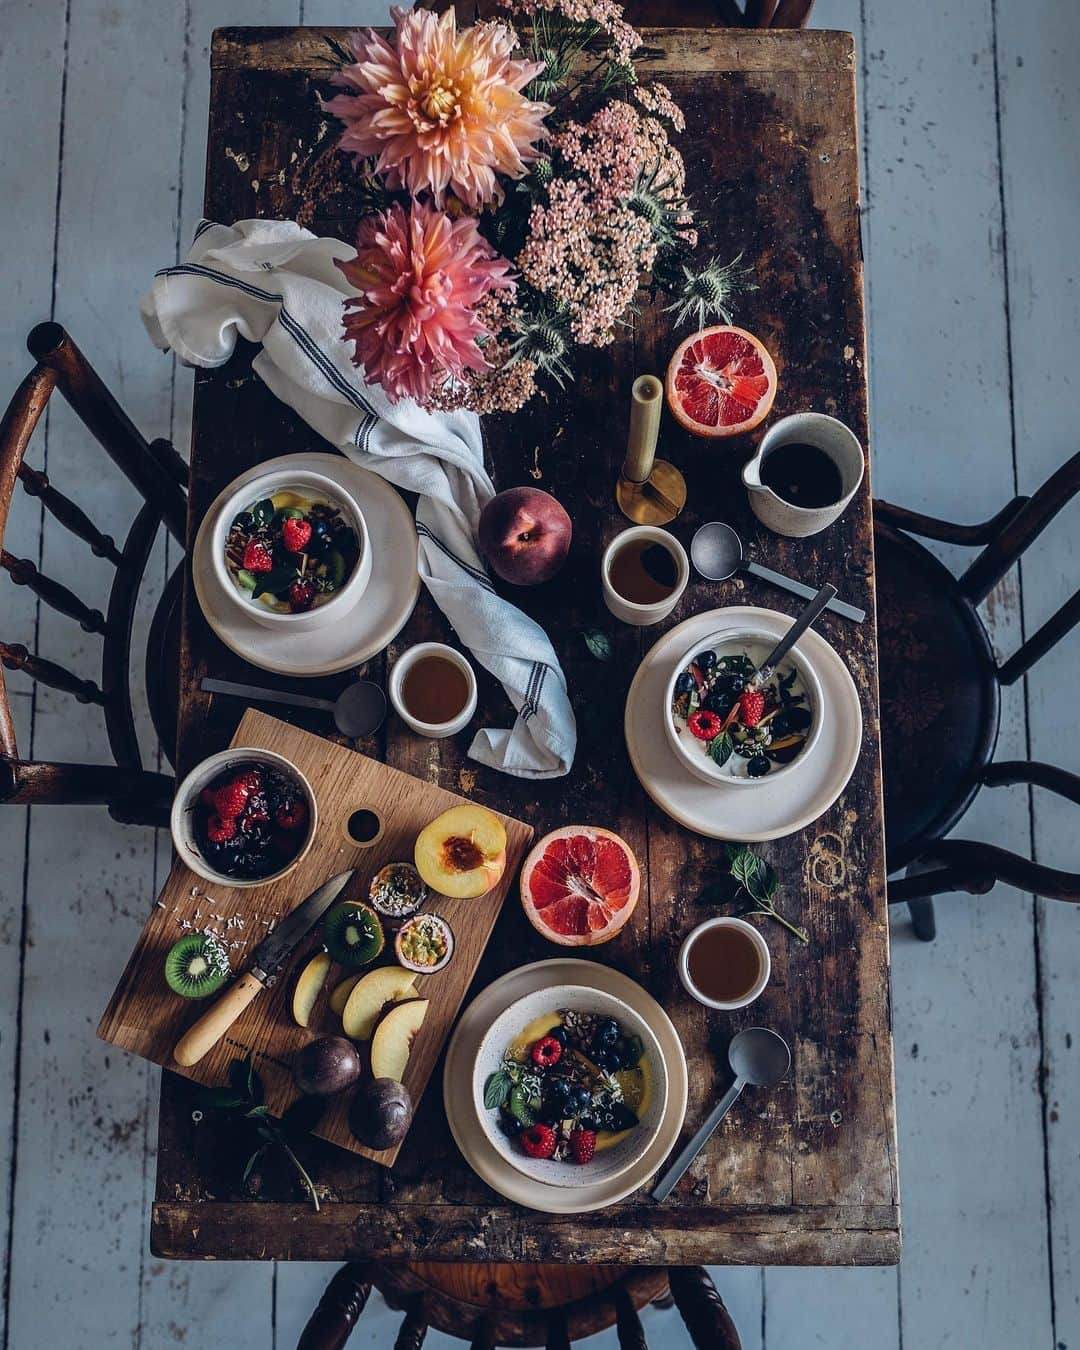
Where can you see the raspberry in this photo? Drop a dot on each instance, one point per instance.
(546, 1052)
(257, 557)
(583, 1145)
(704, 725)
(301, 596)
(751, 706)
(231, 799)
(219, 830)
(538, 1141)
(208, 796)
(295, 534)
(251, 779)
(291, 816)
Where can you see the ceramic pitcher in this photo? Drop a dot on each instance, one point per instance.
(828, 435)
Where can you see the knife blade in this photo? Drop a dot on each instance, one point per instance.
(266, 960)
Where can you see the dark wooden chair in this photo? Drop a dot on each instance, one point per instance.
(159, 474)
(941, 696)
(504, 1305)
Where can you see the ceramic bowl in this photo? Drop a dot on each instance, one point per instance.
(182, 816)
(609, 1162)
(727, 642)
(309, 484)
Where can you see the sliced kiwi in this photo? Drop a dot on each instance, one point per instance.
(353, 933)
(246, 579)
(334, 568)
(197, 966)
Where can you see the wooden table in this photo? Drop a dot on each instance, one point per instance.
(805, 1174)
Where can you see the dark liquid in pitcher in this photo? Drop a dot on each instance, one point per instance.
(803, 475)
(643, 572)
(434, 690)
(723, 963)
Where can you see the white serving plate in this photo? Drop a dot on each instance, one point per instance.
(724, 810)
(464, 1045)
(379, 615)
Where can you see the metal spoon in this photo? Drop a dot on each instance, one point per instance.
(757, 1056)
(717, 553)
(810, 612)
(358, 710)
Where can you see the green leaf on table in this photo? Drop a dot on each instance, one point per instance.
(257, 1112)
(762, 886)
(722, 890)
(249, 1166)
(720, 748)
(747, 868)
(275, 581)
(497, 1089)
(598, 643)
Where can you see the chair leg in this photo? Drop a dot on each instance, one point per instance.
(331, 1324)
(922, 918)
(698, 1300)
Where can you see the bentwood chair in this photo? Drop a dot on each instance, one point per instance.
(131, 793)
(941, 699)
(508, 1305)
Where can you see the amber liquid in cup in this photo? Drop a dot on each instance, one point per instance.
(434, 690)
(723, 964)
(643, 572)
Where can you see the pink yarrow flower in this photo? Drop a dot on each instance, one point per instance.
(420, 278)
(441, 109)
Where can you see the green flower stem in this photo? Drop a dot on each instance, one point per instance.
(302, 1173)
(768, 908)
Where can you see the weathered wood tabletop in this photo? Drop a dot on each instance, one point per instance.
(805, 1174)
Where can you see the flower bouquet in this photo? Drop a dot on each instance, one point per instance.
(520, 186)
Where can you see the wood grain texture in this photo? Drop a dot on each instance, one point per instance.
(772, 133)
(146, 1019)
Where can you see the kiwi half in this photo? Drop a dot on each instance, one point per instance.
(353, 933)
(197, 966)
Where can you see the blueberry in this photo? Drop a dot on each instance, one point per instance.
(587, 1123)
(607, 1031)
(557, 1090)
(757, 767)
(509, 1124)
(580, 1098)
(558, 1034)
(705, 660)
(321, 536)
(606, 1058)
(685, 684)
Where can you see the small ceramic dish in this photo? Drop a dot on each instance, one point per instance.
(528, 1019)
(794, 680)
(304, 484)
(184, 827)
(434, 730)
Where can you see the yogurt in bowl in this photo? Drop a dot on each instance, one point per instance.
(725, 733)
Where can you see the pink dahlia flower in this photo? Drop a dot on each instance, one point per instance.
(420, 277)
(440, 109)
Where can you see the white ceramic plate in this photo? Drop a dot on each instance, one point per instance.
(377, 618)
(609, 1162)
(720, 810)
(484, 1159)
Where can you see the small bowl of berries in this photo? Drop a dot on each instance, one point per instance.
(726, 727)
(291, 548)
(243, 817)
(570, 1085)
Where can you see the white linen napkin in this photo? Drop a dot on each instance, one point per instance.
(273, 282)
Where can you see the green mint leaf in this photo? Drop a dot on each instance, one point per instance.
(724, 890)
(598, 643)
(747, 869)
(249, 1166)
(263, 511)
(720, 748)
(763, 885)
(275, 581)
(497, 1089)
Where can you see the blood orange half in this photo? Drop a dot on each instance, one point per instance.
(721, 382)
(579, 885)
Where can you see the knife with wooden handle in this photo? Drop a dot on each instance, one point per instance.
(266, 960)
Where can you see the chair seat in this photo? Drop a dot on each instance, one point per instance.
(940, 699)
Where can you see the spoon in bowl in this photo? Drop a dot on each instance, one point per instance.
(757, 1056)
(809, 613)
(717, 554)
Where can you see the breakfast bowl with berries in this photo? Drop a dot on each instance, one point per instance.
(570, 1085)
(727, 727)
(243, 817)
(291, 548)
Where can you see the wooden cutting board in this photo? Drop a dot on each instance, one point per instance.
(145, 1017)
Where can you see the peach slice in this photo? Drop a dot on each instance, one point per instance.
(392, 1042)
(462, 853)
(370, 995)
(309, 985)
(339, 995)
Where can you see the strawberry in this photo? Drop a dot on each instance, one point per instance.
(291, 816)
(219, 830)
(251, 779)
(301, 596)
(231, 799)
(257, 557)
(704, 725)
(538, 1141)
(546, 1052)
(751, 707)
(583, 1145)
(295, 534)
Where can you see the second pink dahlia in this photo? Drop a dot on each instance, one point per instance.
(419, 277)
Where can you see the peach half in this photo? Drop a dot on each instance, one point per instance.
(462, 853)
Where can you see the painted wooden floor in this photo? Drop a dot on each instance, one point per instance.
(971, 138)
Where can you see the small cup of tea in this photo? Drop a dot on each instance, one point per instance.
(806, 471)
(643, 573)
(433, 690)
(724, 963)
